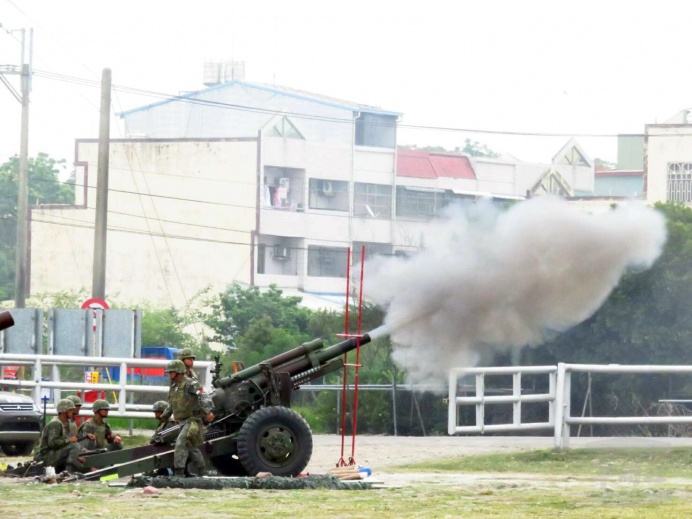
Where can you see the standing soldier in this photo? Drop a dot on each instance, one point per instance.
(189, 404)
(188, 359)
(97, 432)
(77, 408)
(57, 448)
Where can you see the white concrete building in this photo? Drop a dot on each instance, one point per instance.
(668, 162)
(258, 185)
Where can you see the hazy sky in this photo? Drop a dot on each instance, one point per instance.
(534, 66)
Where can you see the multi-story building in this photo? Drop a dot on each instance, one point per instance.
(668, 160)
(260, 184)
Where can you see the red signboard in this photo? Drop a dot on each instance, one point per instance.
(95, 303)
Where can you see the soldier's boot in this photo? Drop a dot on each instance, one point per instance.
(179, 472)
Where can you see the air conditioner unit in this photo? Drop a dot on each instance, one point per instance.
(282, 253)
(326, 188)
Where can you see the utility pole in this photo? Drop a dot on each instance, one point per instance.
(25, 71)
(98, 286)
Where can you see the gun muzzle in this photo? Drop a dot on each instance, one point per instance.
(6, 320)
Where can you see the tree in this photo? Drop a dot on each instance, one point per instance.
(476, 149)
(646, 320)
(45, 187)
(602, 164)
(472, 148)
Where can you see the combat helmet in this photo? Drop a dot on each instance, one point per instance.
(176, 366)
(101, 404)
(186, 353)
(161, 405)
(77, 401)
(65, 405)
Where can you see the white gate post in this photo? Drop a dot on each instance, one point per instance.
(562, 407)
(452, 419)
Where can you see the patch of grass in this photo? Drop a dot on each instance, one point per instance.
(419, 500)
(656, 462)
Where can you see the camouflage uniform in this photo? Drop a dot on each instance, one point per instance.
(103, 434)
(55, 449)
(73, 421)
(164, 422)
(189, 403)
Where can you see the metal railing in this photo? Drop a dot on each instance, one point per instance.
(563, 418)
(124, 388)
(516, 399)
(558, 398)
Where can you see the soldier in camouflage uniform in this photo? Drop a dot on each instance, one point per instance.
(96, 433)
(190, 405)
(188, 359)
(77, 407)
(57, 448)
(162, 414)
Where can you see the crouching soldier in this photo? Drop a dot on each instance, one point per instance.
(162, 413)
(74, 427)
(189, 405)
(95, 433)
(57, 448)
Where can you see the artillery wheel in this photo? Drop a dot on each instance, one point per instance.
(228, 465)
(275, 439)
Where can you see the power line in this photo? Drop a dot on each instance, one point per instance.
(188, 99)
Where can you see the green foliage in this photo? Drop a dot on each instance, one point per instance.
(238, 308)
(476, 149)
(44, 188)
(646, 320)
(472, 148)
(162, 327)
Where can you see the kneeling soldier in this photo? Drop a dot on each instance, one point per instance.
(189, 404)
(57, 448)
(96, 433)
(162, 413)
(73, 420)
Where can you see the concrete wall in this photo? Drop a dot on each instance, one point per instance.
(193, 233)
(664, 143)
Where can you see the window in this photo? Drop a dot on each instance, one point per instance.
(376, 130)
(285, 128)
(327, 261)
(372, 250)
(331, 195)
(422, 202)
(552, 183)
(679, 182)
(372, 200)
(573, 157)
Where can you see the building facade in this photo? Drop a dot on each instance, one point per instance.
(265, 185)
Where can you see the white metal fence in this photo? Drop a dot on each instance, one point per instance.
(558, 398)
(36, 384)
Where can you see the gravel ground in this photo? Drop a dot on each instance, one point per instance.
(382, 453)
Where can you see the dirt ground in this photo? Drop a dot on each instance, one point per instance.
(383, 453)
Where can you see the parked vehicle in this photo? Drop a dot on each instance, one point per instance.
(20, 424)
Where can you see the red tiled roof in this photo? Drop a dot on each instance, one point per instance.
(423, 164)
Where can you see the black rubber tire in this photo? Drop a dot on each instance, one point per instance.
(275, 439)
(22, 448)
(227, 465)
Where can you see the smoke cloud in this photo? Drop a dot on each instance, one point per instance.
(488, 280)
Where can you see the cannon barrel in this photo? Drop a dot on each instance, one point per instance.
(306, 356)
(6, 320)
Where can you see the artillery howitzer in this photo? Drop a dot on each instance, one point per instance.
(254, 429)
(6, 320)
